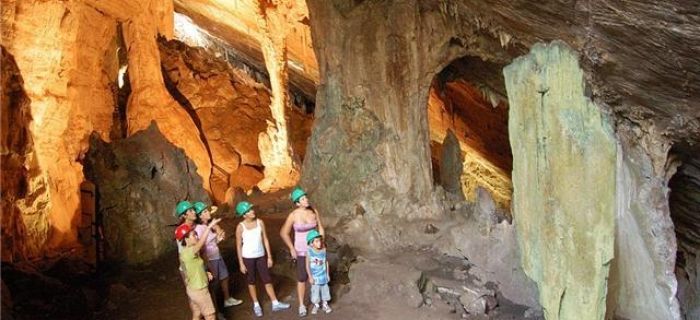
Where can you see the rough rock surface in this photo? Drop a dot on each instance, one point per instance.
(238, 25)
(65, 52)
(685, 211)
(139, 180)
(468, 98)
(451, 164)
(231, 108)
(149, 99)
(16, 163)
(566, 236)
(641, 284)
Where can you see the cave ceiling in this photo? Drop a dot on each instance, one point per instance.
(238, 22)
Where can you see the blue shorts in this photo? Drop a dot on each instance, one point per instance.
(218, 269)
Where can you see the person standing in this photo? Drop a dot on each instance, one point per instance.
(215, 263)
(254, 256)
(195, 275)
(318, 270)
(303, 219)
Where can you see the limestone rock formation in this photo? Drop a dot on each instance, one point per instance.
(19, 239)
(65, 52)
(231, 110)
(566, 234)
(468, 98)
(139, 180)
(641, 283)
(149, 99)
(451, 164)
(685, 211)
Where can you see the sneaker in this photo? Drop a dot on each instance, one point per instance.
(327, 308)
(314, 309)
(302, 311)
(279, 306)
(220, 316)
(232, 302)
(257, 310)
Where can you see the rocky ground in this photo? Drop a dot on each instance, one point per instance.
(416, 283)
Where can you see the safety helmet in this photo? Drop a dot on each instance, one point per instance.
(297, 193)
(313, 234)
(243, 207)
(182, 231)
(182, 207)
(199, 207)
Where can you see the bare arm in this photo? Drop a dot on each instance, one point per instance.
(308, 270)
(266, 242)
(220, 233)
(203, 237)
(284, 233)
(239, 243)
(320, 225)
(328, 271)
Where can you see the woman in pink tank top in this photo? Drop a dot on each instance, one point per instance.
(302, 220)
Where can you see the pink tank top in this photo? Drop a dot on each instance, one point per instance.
(300, 231)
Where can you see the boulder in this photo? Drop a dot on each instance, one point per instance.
(139, 181)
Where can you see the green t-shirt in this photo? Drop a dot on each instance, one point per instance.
(193, 266)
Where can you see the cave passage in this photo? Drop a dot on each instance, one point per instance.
(561, 138)
(468, 98)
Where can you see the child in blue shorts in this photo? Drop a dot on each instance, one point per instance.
(317, 269)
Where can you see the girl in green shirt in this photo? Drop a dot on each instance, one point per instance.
(196, 276)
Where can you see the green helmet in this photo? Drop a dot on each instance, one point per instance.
(243, 207)
(182, 207)
(199, 207)
(313, 234)
(297, 193)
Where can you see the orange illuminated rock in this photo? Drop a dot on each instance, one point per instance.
(65, 51)
(231, 110)
(482, 131)
(150, 100)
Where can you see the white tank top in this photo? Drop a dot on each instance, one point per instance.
(252, 242)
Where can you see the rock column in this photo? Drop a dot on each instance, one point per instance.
(564, 213)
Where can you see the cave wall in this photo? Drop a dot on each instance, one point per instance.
(684, 202)
(635, 62)
(642, 284)
(17, 160)
(65, 52)
(371, 126)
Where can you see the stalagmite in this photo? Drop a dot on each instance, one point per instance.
(564, 215)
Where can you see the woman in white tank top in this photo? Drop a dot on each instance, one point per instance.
(254, 255)
(252, 241)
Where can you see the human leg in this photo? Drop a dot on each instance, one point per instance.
(201, 303)
(315, 297)
(325, 297)
(301, 283)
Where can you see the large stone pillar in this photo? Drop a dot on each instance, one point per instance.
(149, 99)
(275, 150)
(370, 142)
(564, 171)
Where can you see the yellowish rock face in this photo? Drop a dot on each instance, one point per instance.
(564, 214)
(482, 130)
